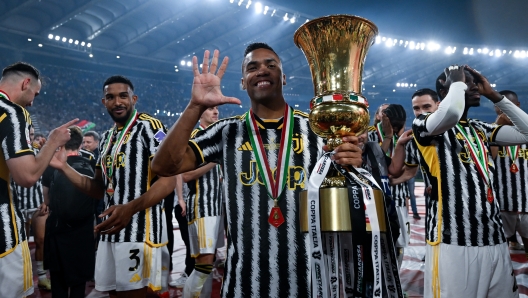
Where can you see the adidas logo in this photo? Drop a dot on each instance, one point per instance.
(245, 147)
(135, 278)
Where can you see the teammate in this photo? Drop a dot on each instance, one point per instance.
(510, 170)
(132, 244)
(466, 253)
(264, 259)
(91, 142)
(206, 225)
(19, 85)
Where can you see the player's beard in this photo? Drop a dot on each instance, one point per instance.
(122, 119)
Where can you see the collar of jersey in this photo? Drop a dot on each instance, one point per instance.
(269, 123)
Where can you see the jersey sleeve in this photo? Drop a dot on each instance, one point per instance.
(14, 135)
(419, 128)
(154, 131)
(207, 144)
(411, 151)
(373, 136)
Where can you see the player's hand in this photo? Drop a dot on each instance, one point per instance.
(484, 87)
(59, 159)
(405, 137)
(386, 126)
(43, 209)
(60, 135)
(454, 73)
(183, 207)
(119, 217)
(347, 153)
(206, 89)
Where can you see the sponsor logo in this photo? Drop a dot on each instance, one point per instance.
(160, 135)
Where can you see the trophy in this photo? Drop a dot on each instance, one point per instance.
(336, 47)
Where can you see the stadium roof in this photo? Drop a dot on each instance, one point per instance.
(158, 37)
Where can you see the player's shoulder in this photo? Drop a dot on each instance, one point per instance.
(150, 122)
(300, 114)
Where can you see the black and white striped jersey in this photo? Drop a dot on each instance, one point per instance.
(28, 198)
(14, 139)
(458, 211)
(132, 178)
(400, 192)
(87, 154)
(205, 193)
(511, 188)
(413, 158)
(263, 261)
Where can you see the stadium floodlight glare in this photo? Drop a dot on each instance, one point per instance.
(498, 53)
(388, 43)
(29, 39)
(432, 46)
(88, 45)
(231, 1)
(393, 90)
(189, 63)
(378, 39)
(118, 57)
(57, 37)
(448, 50)
(64, 39)
(70, 40)
(397, 84)
(485, 51)
(373, 86)
(176, 70)
(273, 13)
(266, 8)
(285, 17)
(182, 63)
(40, 45)
(91, 55)
(383, 38)
(406, 84)
(50, 36)
(292, 20)
(258, 7)
(466, 51)
(412, 45)
(82, 44)
(471, 51)
(240, 2)
(248, 5)
(76, 42)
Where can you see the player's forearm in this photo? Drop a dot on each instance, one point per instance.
(193, 175)
(518, 117)
(386, 143)
(407, 174)
(93, 187)
(179, 187)
(171, 156)
(397, 163)
(157, 192)
(28, 174)
(449, 112)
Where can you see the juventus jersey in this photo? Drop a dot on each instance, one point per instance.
(132, 178)
(14, 138)
(458, 211)
(28, 198)
(263, 261)
(400, 192)
(511, 190)
(205, 193)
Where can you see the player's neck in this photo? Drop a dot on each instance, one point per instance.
(270, 111)
(464, 115)
(72, 152)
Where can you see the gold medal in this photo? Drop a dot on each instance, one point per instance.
(514, 169)
(110, 189)
(275, 218)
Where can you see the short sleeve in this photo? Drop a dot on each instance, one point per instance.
(207, 144)
(14, 132)
(488, 129)
(411, 154)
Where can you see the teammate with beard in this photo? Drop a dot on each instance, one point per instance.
(132, 247)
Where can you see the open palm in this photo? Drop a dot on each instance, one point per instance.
(206, 89)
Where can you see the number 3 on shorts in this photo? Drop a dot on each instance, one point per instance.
(134, 256)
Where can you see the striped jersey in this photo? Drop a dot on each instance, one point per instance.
(14, 139)
(400, 192)
(132, 178)
(458, 211)
(263, 261)
(511, 188)
(413, 158)
(87, 154)
(28, 198)
(205, 193)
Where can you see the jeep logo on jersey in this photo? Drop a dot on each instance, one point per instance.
(160, 135)
(297, 145)
(296, 176)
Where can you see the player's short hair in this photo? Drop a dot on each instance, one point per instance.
(76, 138)
(21, 68)
(93, 134)
(426, 91)
(118, 79)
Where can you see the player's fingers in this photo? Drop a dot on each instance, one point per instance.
(214, 61)
(70, 123)
(223, 67)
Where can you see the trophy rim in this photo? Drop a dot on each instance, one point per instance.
(334, 16)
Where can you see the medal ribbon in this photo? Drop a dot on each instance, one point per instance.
(382, 137)
(513, 151)
(479, 153)
(274, 187)
(108, 172)
(4, 95)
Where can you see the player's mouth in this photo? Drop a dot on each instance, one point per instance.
(263, 84)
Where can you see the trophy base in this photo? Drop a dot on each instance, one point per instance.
(334, 209)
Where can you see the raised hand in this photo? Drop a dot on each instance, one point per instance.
(484, 87)
(386, 126)
(405, 137)
(453, 73)
(60, 135)
(206, 90)
(59, 159)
